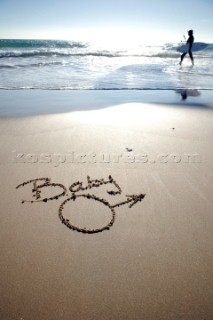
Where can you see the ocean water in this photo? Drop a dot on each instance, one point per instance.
(67, 65)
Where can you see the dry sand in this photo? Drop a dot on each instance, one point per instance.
(155, 261)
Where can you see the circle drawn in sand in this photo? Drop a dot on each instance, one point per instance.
(86, 230)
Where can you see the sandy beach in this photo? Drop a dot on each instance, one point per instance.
(106, 205)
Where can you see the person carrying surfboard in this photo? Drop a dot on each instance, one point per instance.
(190, 42)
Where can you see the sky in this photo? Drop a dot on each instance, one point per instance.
(86, 20)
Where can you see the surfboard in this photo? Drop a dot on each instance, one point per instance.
(197, 46)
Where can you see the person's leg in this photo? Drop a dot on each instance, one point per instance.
(182, 57)
(191, 57)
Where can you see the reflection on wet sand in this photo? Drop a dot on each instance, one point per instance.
(188, 92)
